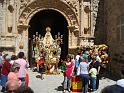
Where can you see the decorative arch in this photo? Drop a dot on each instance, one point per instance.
(38, 5)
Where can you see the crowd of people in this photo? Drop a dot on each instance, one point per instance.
(88, 65)
(13, 73)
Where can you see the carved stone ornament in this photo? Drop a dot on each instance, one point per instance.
(86, 30)
(21, 45)
(10, 8)
(86, 9)
(71, 28)
(73, 5)
(74, 29)
(95, 6)
(9, 29)
(21, 28)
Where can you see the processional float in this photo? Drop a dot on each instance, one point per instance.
(50, 48)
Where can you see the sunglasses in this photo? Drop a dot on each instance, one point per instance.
(12, 91)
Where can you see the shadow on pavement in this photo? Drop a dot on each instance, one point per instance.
(38, 76)
(60, 88)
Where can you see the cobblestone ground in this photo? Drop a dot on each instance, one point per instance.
(52, 83)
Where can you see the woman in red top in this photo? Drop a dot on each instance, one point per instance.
(68, 74)
(5, 71)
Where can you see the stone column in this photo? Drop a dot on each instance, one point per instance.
(15, 18)
(94, 9)
(25, 40)
(80, 22)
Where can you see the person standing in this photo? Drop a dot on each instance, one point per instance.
(13, 58)
(23, 65)
(93, 76)
(68, 74)
(97, 65)
(5, 71)
(40, 64)
(77, 62)
(84, 74)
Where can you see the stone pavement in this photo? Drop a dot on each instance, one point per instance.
(52, 83)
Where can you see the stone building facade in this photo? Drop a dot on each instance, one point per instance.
(83, 24)
(15, 16)
(114, 26)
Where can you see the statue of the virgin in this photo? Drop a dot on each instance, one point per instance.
(48, 39)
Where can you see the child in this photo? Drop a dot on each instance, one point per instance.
(40, 65)
(93, 74)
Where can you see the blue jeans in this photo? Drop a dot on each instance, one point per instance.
(4, 79)
(85, 80)
(67, 82)
(93, 83)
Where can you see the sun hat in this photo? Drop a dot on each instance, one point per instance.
(85, 56)
(15, 65)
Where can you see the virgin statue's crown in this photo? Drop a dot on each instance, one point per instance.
(48, 29)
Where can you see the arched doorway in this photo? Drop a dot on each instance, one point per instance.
(56, 21)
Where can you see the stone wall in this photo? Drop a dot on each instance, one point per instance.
(100, 32)
(113, 9)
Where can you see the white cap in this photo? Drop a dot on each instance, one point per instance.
(120, 83)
